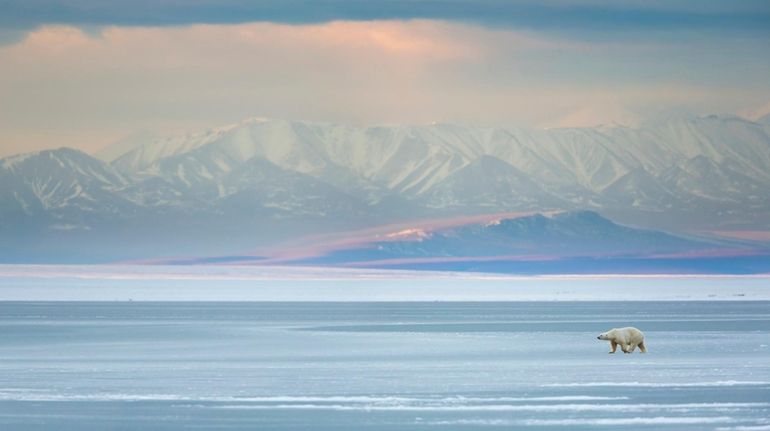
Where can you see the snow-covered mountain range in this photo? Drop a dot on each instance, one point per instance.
(274, 179)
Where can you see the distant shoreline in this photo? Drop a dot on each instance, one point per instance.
(291, 284)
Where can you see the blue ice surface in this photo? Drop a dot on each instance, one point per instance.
(382, 366)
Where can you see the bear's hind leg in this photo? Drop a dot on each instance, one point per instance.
(613, 346)
(642, 348)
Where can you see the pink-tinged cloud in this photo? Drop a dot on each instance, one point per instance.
(62, 86)
(419, 230)
(320, 245)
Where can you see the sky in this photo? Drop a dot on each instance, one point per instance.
(88, 73)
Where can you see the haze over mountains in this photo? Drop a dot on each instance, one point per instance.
(261, 182)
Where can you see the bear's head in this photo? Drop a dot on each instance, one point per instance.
(604, 336)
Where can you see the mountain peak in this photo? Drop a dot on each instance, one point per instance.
(60, 154)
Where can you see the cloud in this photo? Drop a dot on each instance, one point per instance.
(608, 114)
(319, 245)
(553, 15)
(61, 81)
(756, 112)
(64, 85)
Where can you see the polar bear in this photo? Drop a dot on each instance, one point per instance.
(628, 338)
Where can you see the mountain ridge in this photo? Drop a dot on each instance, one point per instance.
(693, 173)
(581, 240)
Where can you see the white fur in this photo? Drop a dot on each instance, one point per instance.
(627, 338)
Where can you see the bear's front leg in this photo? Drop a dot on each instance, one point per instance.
(624, 348)
(613, 346)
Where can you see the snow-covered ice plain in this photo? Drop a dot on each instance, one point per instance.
(75, 354)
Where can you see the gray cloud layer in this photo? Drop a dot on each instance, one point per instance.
(561, 15)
